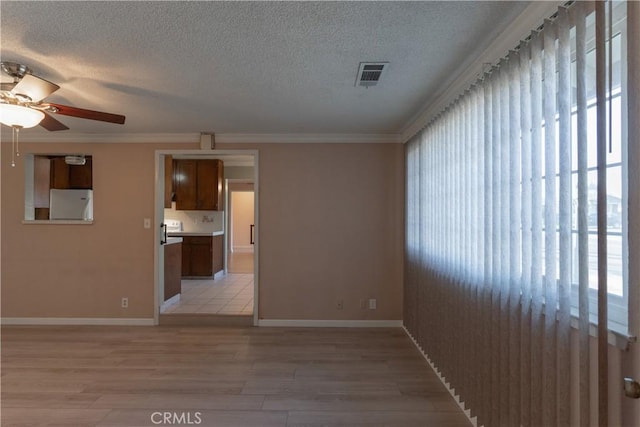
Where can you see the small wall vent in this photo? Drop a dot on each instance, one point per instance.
(77, 160)
(370, 73)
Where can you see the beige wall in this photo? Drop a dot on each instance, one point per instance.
(331, 228)
(238, 172)
(331, 220)
(242, 216)
(83, 270)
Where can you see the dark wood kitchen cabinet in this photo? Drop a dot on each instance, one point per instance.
(202, 256)
(41, 186)
(59, 173)
(41, 181)
(197, 256)
(217, 252)
(64, 176)
(168, 180)
(172, 270)
(199, 184)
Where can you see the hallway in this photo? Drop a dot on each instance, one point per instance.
(240, 262)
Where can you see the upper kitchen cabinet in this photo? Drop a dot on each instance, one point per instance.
(210, 194)
(168, 181)
(199, 184)
(65, 176)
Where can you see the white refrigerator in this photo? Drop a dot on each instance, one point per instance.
(71, 204)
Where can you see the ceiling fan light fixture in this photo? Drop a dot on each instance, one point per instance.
(18, 116)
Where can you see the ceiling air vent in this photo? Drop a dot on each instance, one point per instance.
(370, 73)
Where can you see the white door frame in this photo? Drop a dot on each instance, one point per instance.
(158, 255)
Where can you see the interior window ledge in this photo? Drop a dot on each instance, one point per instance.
(57, 221)
(616, 337)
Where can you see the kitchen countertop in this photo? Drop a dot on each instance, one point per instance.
(195, 233)
(172, 240)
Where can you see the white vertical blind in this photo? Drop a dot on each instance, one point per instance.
(515, 244)
(525, 213)
(537, 342)
(583, 212)
(633, 49)
(497, 218)
(564, 214)
(601, 94)
(549, 365)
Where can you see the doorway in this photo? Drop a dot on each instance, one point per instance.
(228, 293)
(241, 220)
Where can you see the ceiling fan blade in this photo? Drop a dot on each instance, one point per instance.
(34, 87)
(66, 110)
(7, 86)
(51, 124)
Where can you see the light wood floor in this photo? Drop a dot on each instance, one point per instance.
(240, 262)
(260, 377)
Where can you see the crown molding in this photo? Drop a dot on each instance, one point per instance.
(301, 138)
(113, 138)
(531, 18)
(190, 138)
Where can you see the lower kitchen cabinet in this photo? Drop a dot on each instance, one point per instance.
(202, 256)
(172, 270)
(217, 247)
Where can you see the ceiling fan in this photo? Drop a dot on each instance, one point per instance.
(22, 106)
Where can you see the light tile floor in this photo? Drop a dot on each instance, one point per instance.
(231, 294)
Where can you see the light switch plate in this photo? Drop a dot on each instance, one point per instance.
(147, 223)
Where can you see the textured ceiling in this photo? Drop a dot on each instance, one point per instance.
(247, 67)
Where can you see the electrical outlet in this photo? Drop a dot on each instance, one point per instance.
(372, 304)
(340, 305)
(125, 302)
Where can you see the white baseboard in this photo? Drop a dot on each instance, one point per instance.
(296, 323)
(443, 380)
(107, 321)
(168, 303)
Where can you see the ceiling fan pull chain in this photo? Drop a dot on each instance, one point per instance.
(15, 144)
(13, 147)
(17, 141)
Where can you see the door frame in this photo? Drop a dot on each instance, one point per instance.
(158, 255)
